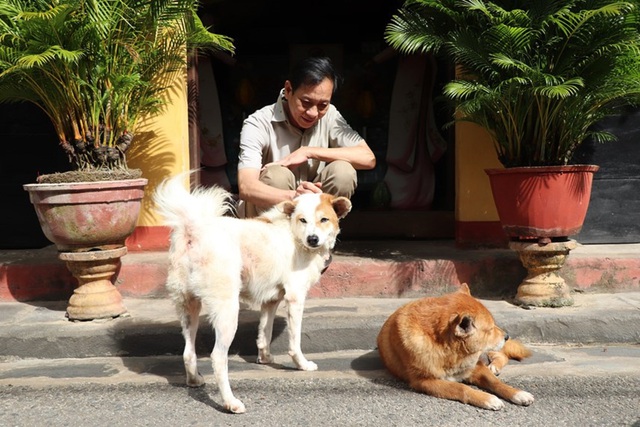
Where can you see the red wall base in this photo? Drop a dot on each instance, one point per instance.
(149, 239)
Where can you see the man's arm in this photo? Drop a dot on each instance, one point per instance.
(360, 156)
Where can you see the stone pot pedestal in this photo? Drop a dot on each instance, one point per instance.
(96, 297)
(543, 286)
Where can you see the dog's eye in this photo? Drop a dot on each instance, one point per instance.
(302, 220)
(324, 220)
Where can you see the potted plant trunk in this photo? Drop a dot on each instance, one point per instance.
(536, 76)
(95, 68)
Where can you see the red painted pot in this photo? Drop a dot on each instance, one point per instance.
(542, 201)
(87, 216)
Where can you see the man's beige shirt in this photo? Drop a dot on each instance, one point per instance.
(267, 136)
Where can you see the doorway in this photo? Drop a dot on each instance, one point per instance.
(387, 97)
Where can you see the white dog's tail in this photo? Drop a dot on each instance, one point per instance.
(183, 210)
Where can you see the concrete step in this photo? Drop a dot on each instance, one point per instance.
(360, 268)
(40, 329)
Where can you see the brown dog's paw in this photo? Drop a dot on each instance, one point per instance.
(497, 361)
(522, 398)
(495, 370)
(494, 403)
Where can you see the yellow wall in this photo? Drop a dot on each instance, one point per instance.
(161, 147)
(474, 154)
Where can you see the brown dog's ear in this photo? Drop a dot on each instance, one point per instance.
(464, 326)
(464, 288)
(341, 206)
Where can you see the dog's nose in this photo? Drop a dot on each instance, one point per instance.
(313, 240)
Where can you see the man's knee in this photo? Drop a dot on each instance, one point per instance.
(274, 176)
(278, 177)
(339, 178)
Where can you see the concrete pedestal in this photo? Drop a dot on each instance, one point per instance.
(543, 286)
(96, 297)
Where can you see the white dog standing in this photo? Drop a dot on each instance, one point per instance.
(216, 260)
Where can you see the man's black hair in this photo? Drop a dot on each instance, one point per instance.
(311, 71)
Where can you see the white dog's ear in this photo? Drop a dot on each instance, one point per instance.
(288, 207)
(341, 206)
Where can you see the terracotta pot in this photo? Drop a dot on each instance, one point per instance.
(87, 216)
(542, 201)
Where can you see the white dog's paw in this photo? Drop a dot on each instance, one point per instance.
(264, 359)
(235, 406)
(301, 362)
(308, 365)
(522, 398)
(196, 381)
(494, 403)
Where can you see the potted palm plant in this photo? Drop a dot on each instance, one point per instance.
(537, 75)
(95, 68)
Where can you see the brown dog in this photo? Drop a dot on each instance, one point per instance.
(436, 343)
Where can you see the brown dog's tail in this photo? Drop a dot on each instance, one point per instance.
(515, 350)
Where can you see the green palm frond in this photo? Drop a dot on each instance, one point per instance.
(537, 74)
(95, 67)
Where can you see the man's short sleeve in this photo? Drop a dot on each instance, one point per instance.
(340, 133)
(254, 138)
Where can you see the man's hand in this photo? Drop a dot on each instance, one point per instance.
(294, 159)
(309, 187)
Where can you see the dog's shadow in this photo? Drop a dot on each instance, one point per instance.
(371, 367)
(203, 395)
(165, 344)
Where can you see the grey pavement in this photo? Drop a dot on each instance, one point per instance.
(348, 390)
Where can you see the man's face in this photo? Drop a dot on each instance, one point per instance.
(308, 103)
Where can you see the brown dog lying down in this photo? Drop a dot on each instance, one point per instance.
(435, 344)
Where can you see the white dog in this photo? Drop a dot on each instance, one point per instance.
(217, 259)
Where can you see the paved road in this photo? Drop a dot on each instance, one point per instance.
(563, 401)
(573, 386)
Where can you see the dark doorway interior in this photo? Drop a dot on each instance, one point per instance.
(30, 148)
(612, 216)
